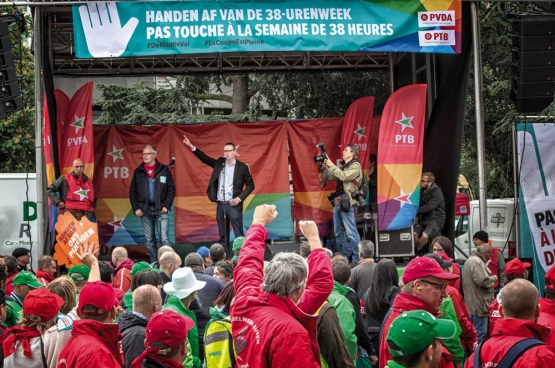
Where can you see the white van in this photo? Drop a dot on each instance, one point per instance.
(501, 227)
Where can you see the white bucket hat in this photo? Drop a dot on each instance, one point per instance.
(183, 283)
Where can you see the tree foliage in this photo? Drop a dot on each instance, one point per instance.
(17, 146)
(499, 109)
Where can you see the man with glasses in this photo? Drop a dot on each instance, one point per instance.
(151, 194)
(76, 192)
(431, 212)
(424, 284)
(230, 184)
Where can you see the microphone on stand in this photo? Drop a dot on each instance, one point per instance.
(172, 164)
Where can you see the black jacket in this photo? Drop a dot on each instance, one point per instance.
(432, 205)
(132, 328)
(331, 339)
(360, 328)
(151, 363)
(164, 188)
(241, 177)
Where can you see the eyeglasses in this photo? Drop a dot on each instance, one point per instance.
(148, 153)
(441, 287)
(437, 250)
(424, 181)
(227, 151)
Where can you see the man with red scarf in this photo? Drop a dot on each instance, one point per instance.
(151, 194)
(76, 192)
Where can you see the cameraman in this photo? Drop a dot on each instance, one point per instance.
(344, 223)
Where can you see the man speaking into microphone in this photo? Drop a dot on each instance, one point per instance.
(230, 184)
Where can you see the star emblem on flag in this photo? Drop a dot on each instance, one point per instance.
(116, 153)
(360, 132)
(117, 223)
(78, 123)
(405, 122)
(403, 198)
(237, 149)
(82, 193)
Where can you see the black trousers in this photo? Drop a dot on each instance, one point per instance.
(233, 216)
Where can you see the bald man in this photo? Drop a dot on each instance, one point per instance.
(123, 266)
(520, 310)
(163, 249)
(76, 192)
(146, 301)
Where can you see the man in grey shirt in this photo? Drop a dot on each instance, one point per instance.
(363, 273)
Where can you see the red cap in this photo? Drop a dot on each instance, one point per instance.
(42, 303)
(169, 328)
(516, 267)
(445, 256)
(550, 278)
(425, 266)
(98, 294)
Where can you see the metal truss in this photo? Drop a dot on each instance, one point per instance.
(62, 57)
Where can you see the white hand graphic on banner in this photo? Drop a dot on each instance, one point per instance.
(537, 182)
(103, 31)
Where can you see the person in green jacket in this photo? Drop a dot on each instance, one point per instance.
(181, 291)
(413, 337)
(23, 283)
(344, 308)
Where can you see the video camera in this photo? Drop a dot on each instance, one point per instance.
(322, 156)
(322, 176)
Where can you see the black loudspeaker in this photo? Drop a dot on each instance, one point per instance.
(533, 59)
(273, 249)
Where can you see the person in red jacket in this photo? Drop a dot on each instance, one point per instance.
(424, 284)
(468, 336)
(514, 269)
(47, 270)
(519, 309)
(547, 306)
(123, 266)
(95, 341)
(273, 316)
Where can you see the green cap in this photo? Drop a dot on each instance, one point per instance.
(414, 331)
(79, 273)
(238, 243)
(142, 266)
(26, 278)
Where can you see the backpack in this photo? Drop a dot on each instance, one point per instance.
(512, 355)
(219, 351)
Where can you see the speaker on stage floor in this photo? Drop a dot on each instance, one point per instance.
(273, 249)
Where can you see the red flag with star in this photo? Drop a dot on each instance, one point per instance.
(75, 129)
(400, 146)
(357, 129)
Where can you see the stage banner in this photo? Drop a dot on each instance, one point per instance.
(149, 28)
(75, 129)
(357, 128)
(400, 148)
(536, 167)
(118, 152)
(310, 199)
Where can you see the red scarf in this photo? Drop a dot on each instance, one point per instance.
(45, 276)
(150, 170)
(152, 353)
(15, 334)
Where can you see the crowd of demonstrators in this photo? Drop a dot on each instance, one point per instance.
(514, 269)
(520, 309)
(478, 288)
